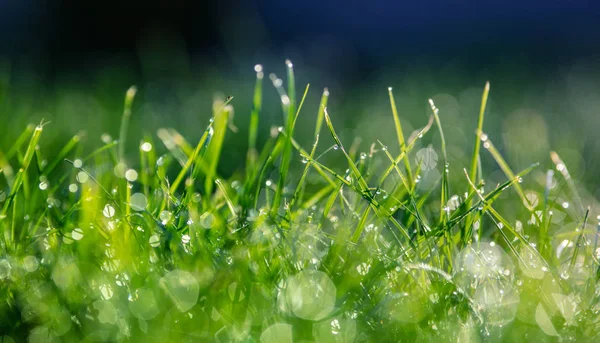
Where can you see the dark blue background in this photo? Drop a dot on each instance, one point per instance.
(356, 36)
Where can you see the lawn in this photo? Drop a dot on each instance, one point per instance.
(338, 240)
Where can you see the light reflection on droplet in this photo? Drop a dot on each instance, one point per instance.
(77, 234)
(108, 211)
(82, 177)
(154, 241)
(131, 175)
(165, 216)
(138, 202)
(146, 146)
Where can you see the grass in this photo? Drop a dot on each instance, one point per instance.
(109, 246)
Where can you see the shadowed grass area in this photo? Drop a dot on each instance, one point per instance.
(380, 246)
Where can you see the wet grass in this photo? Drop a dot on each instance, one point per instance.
(383, 247)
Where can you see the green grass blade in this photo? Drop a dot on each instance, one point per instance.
(321, 113)
(202, 145)
(400, 135)
(125, 121)
(18, 182)
(477, 144)
(252, 154)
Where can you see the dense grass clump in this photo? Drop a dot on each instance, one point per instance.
(395, 244)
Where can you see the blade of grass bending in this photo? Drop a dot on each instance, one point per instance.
(400, 135)
(301, 104)
(444, 191)
(487, 143)
(227, 197)
(363, 187)
(411, 198)
(35, 138)
(252, 153)
(125, 121)
(288, 102)
(201, 147)
(405, 151)
(303, 177)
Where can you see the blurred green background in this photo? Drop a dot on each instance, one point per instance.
(71, 62)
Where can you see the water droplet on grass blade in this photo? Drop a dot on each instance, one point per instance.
(146, 146)
(185, 239)
(207, 220)
(154, 241)
(82, 177)
(138, 202)
(131, 175)
(73, 188)
(108, 211)
(165, 216)
(77, 234)
(78, 163)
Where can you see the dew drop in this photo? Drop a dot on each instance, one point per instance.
(108, 211)
(165, 216)
(73, 188)
(131, 175)
(138, 202)
(77, 234)
(146, 146)
(82, 177)
(154, 241)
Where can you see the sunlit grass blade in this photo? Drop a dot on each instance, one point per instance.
(405, 151)
(444, 189)
(363, 188)
(125, 121)
(321, 113)
(252, 153)
(400, 136)
(213, 154)
(18, 182)
(477, 144)
(288, 103)
(300, 185)
(202, 144)
(230, 204)
(487, 144)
